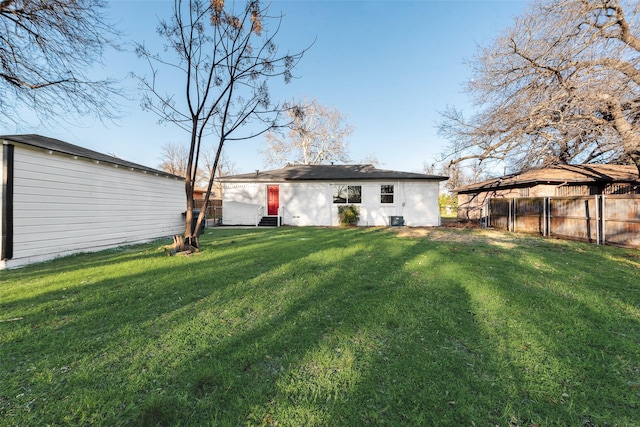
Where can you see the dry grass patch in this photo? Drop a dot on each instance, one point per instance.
(469, 235)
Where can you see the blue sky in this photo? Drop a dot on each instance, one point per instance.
(388, 66)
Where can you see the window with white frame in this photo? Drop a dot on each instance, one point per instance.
(386, 194)
(347, 194)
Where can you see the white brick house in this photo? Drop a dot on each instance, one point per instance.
(309, 195)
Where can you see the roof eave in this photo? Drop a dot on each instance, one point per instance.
(100, 157)
(274, 179)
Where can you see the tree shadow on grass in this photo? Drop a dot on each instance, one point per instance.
(308, 327)
(75, 328)
(361, 345)
(553, 320)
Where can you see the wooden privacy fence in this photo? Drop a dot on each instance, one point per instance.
(599, 219)
(214, 211)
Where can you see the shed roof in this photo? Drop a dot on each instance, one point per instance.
(328, 172)
(58, 146)
(558, 174)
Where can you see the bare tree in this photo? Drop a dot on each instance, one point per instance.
(371, 159)
(174, 158)
(429, 168)
(459, 173)
(456, 174)
(225, 54)
(47, 49)
(561, 86)
(317, 135)
(224, 167)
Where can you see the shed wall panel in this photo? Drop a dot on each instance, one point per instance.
(64, 205)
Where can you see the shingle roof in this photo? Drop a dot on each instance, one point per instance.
(328, 172)
(558, 174)
(74, 150)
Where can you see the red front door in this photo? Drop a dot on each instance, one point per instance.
(273, 199)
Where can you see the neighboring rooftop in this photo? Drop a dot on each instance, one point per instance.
(58, 146)
(559, 174)
(328, 172)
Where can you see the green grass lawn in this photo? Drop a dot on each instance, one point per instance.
(326, 327)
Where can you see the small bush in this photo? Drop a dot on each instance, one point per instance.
(349, 215)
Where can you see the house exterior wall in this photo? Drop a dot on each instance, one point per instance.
(240, 203)
(311, 203)
(64, 205)
(306, 204)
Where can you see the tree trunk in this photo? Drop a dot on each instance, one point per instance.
(180, 246)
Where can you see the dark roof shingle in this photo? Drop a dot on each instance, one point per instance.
(328, 172)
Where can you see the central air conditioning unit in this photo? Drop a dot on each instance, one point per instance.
(396, 221)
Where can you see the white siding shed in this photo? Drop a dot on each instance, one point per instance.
(58, 199)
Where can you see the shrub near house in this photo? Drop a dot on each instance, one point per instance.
(349, 214)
